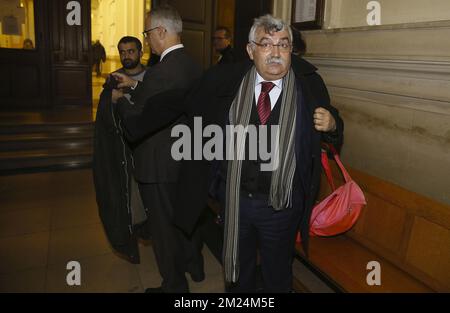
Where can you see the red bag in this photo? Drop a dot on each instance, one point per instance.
(338, 212)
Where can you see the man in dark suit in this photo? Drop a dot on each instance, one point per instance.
(222, 45)
(98, 56)
(155, 170)
(262, 209)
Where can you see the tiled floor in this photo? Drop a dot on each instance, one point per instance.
(49, 219)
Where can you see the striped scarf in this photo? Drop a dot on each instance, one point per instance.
(282, 177)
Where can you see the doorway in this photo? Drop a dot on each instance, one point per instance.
(110, 21)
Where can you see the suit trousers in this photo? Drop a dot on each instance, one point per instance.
(271, 232)
(175, 253)
(211, 233)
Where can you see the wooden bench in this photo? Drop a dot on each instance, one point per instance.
(408, 234)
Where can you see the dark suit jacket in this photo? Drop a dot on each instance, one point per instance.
(152, 159)
(227, 56)
(211, 100)
(160, 111)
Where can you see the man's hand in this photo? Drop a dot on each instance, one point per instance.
(124, 81)
(116, 95)
(323, 120)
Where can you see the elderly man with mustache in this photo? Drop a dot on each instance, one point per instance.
(262, 210)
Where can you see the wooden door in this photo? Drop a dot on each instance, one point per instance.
(70, 56)
(197, 16)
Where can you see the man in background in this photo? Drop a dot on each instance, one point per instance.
(98, 56)
(28, 44)
(298, 43)
(222, 45)
(130, 51)
(120, 206)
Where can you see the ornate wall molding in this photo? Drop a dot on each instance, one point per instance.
(418, 41)
(417, 85)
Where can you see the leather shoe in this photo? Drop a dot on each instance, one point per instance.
(154, 290)
(197, 276)
(142, 230)
(196, 269)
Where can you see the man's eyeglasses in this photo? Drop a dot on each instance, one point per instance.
(147, 31)
(218, 38)
(268, 46)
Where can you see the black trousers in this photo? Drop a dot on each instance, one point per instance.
(98, 67)
(210, 233)
(175, 253)
(271, 232)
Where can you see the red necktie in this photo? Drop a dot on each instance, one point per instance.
(263, 107)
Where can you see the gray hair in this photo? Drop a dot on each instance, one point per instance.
(167, 17)
(270, 24)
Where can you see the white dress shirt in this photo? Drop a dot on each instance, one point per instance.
(274, 94)
(179, 46)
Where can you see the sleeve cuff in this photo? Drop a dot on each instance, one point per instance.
(135, 86)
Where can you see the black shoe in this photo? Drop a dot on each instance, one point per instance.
(134, 259)
(197, 276)
(154, 290)
(142, 230)
(195, 268)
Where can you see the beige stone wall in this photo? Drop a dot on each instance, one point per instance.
(353, 13)
(392, 87)
(391, 84)
(282, 9)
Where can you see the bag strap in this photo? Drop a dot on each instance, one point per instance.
(347, 177)
(327, 169)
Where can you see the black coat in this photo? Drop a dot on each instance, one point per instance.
(228, 56)
(112, 172)
(212, 98)
(177, 70)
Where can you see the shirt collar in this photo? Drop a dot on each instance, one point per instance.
(179, 46)
(278, 83)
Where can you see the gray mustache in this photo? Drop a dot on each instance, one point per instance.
(274, 60)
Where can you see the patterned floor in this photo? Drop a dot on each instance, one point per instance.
(50, 219)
